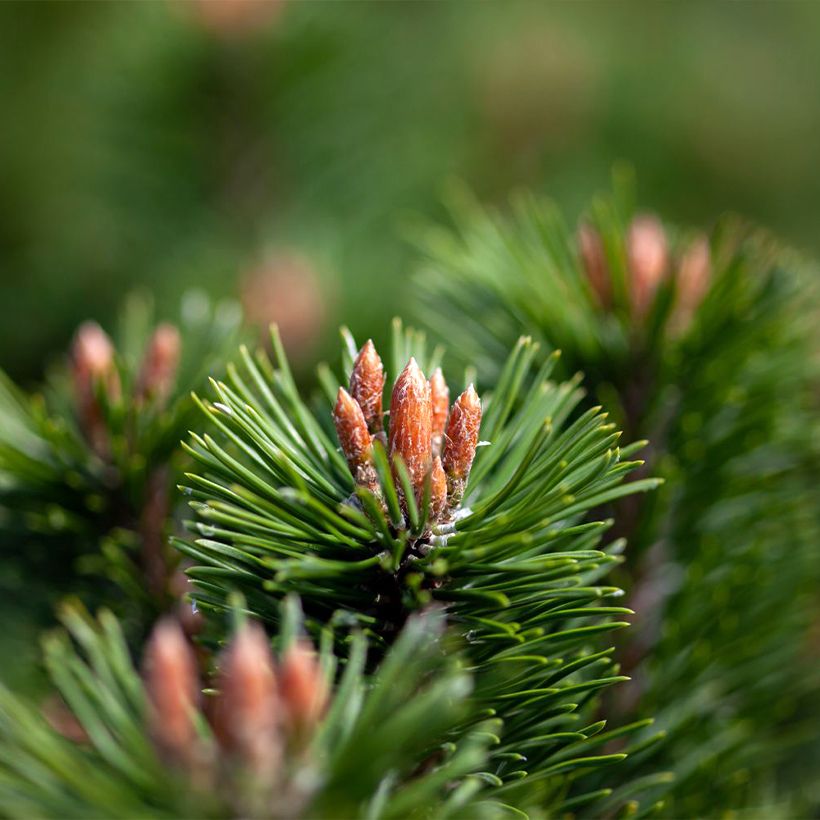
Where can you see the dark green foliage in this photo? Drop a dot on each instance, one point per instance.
(723, 562)
(69, 509)
(521, 571)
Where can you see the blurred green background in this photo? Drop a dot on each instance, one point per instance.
(171, 144)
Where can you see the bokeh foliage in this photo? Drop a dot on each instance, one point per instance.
(140, 145)
(723, 562)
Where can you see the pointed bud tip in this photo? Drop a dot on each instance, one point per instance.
(367, 385)
(412, 375)
(304, 688)
(165, 345)
(166, 638)
(167, 335)
(160, 362)
(648, 253)
(347, 408)
(249, 648)
(92, 348)
(343, 397)
(368, 357)
(469, 401)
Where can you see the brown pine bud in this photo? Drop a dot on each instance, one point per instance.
(693, 280)
(159, 364)
(172, 684)
(356, 441)
(593, 259)
(411, 425)
(367, 385)
(92, 354)
(438, 490)
(246, 714)
(440, 402)
(303, 688)
(461, 443)
(92, 364)
(648, 257)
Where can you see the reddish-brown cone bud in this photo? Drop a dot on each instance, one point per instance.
(356, 442)
(648, 258)
(92, 363)
(411, 424)
(93, 353)
(438, 490)
(460, 443)
(351, 428)
(593, 259)
(246, 714)
(303, 688)
(159, 364)
(693, 280)
(172, 684)
(440, 402)
(367, 385)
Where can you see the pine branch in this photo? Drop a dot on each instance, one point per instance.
(87, 466)
(705, 347)
(517, 563)
(163, 748)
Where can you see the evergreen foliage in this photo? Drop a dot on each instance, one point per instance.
(114, 766)
(520, 567)
(475, 654)
(88, 462)
(706, 348)
(459, 566)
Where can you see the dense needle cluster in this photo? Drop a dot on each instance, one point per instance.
(97, 381)
(372, 512)
(431, 445)
(88, 461)
(280, 735)
(701, 344)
